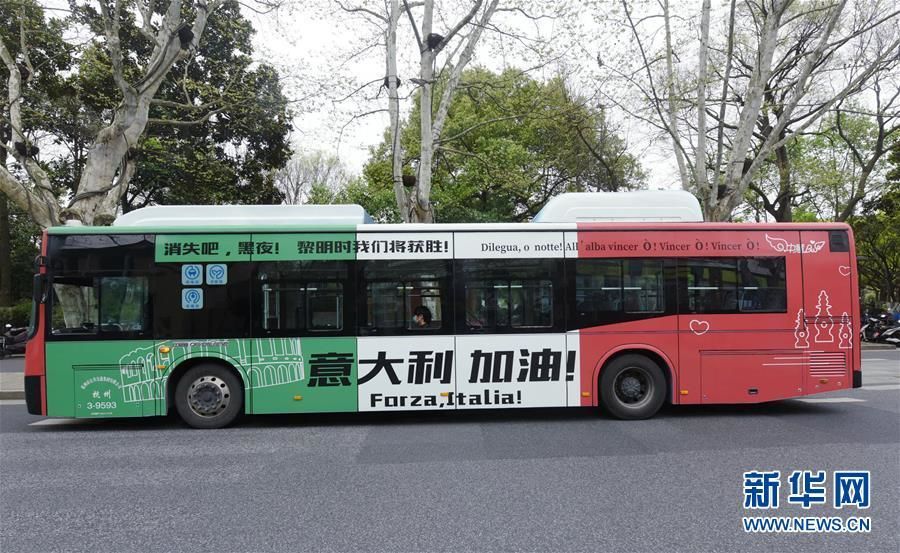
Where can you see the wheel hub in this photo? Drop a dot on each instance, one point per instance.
(633, 386)
(208, 396)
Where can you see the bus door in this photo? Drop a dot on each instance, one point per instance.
(828, 308)
(739, 300)
(304, 343)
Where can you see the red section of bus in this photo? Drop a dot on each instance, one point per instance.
(35, 354)
(813, 347)
(598, 345)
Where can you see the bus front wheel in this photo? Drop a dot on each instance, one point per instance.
(632, 387)
(209, 396)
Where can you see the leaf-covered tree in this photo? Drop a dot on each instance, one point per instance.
(877, 233)
(509, 144)
(219, 117)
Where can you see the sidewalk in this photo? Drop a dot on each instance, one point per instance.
(12, 385)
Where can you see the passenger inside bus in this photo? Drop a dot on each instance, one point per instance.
(421, 317)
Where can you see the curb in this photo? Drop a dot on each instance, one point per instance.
(871, 345)
(12, 394)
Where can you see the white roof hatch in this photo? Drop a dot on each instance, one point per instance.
(243, 215)
(637, 206)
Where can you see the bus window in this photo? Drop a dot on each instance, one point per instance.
(611, 290)
(395, 290)
(302, 296)
(108, 305)
(710, 285)
(763, 287)
(509, 294)
(75, 302)
(733, 285)
(642, 290)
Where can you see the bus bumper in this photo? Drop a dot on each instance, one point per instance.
(33, 395)
(857, 379)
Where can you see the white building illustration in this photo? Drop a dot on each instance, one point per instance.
(277, 361)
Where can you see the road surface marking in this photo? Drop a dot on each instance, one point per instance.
(882, 387)
(12, 402)
(832, 400)
(53, 422)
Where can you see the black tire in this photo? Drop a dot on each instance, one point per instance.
(632, 387)
(209, 396)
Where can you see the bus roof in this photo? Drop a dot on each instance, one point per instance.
(635, 210)
(446, 227)
(634, 206)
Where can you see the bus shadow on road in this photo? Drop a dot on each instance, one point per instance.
(670, 414)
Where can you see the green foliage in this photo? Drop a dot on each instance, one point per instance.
(24, 237)
(17, 315)
(510, 143)
(824, 174)
(877, 233)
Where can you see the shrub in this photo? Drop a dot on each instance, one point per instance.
(16, 315)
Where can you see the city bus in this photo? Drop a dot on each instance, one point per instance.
(623, 305)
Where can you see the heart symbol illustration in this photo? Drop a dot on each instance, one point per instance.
(844, 270)
(699, 327)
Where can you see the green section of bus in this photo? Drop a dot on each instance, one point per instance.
(128, 378)
(101, 379)
(325, 382)
(187, 248)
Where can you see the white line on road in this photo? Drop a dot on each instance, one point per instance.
(54, 422)
(832, 400)
(882, 387)
(12, 402)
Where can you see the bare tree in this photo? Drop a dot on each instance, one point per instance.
(306, 171)
(783, 66)
(173, 32)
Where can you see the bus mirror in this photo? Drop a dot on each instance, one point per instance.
(39, 289)
(40, 261)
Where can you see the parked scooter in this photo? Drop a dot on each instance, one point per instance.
(882, 328)
(12, 342)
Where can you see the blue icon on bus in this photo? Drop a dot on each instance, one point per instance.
(217, 274)
(191, 275)
(192, 298)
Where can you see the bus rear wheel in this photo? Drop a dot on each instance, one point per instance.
(632, 387)
(209, 396)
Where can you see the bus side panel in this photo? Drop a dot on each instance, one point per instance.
(729, 353)
(108, 379)
(599, 344)
(303, 375)
(829, 306)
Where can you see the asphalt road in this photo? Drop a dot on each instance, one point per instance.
(534, 481)
(13, 364)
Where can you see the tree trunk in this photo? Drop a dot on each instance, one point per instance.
(672, 124)
(394, 110)
(700, 174)
(420, 210)
(783, 206)
(5, 252)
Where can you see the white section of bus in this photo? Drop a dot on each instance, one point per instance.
(243, 215)
(636, 206)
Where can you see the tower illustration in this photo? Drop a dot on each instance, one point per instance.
(801, 333)
(845, 332)
(823, 319)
